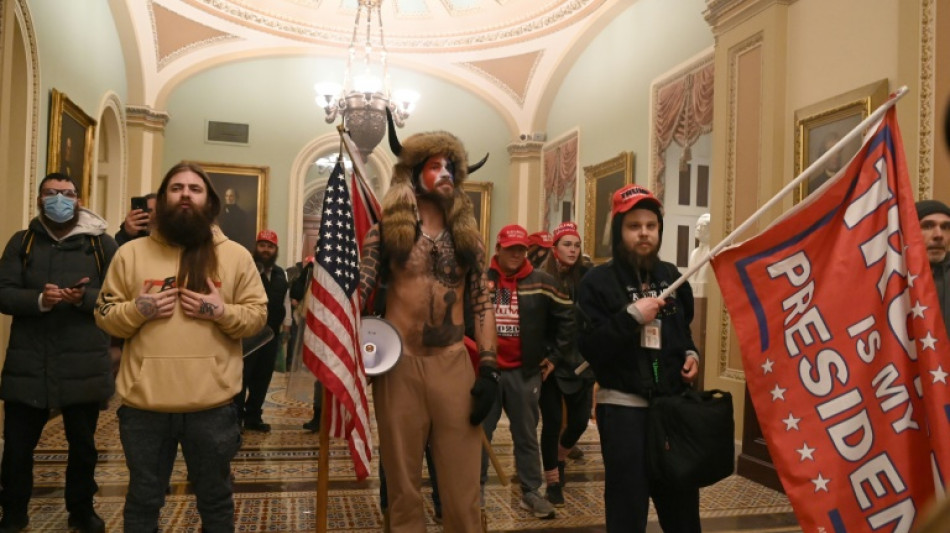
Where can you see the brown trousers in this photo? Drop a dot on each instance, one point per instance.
(428, 399)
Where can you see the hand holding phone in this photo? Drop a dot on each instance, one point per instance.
(140, 202)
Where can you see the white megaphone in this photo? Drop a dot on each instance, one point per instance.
(380, 344)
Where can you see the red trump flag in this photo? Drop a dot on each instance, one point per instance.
(844, 349)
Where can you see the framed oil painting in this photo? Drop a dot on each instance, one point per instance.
(479, 192)
(71, 138)
(602, 180)
(243, 193)
(818, 127)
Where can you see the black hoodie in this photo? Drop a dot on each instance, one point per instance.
(609, 337)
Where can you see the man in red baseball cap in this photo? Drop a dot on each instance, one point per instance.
(259, 365)
(535, 323)
(637, 346)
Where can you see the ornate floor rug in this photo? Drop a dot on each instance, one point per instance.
(276, 475)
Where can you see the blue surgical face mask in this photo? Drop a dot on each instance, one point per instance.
(59, 208)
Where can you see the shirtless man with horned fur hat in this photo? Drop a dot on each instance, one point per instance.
(428, 251)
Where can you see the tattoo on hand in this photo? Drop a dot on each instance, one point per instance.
(146, 306)
(206, 308)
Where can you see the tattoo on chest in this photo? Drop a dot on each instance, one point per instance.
(445, 268)
(446, 333)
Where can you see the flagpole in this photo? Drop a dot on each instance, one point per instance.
(819, 163)
(323, 463)
(812, 168)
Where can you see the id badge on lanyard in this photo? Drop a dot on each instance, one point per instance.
(650, 335)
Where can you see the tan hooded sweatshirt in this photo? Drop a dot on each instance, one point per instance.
(180, 364)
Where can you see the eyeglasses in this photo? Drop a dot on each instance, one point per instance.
(68, 193)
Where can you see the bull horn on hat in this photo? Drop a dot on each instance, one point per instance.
(394, 144)
(476, 166)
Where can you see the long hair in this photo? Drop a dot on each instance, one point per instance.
(199, 260)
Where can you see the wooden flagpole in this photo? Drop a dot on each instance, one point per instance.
(323, 464)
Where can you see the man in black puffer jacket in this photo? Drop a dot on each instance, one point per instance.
(50, 275)
(635, 344)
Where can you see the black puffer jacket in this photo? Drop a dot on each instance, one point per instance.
(609, 338)
(59, 357)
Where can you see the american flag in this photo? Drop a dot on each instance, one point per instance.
(331, 345)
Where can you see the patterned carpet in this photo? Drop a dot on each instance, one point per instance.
(275, 483)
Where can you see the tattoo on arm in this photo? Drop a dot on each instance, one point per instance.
(146, 306)
(370, 263)
(206, 308)
(485, 333)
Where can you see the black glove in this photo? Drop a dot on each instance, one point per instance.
(484, 393)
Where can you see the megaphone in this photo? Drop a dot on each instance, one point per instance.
(380, 344)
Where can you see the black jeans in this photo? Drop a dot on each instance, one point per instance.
(627, 491)
(23, 426)
(258, 370)
(209, 440)
(578, 413)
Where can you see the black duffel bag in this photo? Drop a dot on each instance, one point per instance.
(691, 438)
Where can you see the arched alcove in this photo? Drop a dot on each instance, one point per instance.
(307, 184)
(108, 194)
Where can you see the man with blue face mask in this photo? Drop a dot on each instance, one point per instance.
(50, 275)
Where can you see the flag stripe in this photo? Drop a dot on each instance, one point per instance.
(331, 346)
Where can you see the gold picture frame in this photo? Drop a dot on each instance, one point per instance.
(602, 180)
(249, 212)
(479, 192)
(71, 141)
(819, 126)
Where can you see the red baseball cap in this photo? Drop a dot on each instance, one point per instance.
(631, 196)
(565, 228)
(541, 238)
(267, 235)
(513, 235)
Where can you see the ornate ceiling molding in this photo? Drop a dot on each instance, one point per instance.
(175, 35)
(512, 75)
(406, 33)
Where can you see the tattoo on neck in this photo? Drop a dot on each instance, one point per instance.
(206, 308)
(146, 306)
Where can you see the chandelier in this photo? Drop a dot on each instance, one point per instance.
(365, 96)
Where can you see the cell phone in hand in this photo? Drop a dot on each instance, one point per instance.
(80, 284)
(140, 202)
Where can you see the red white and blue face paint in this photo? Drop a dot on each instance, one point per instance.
(437, 173)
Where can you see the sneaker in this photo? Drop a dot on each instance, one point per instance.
(14, 523)
(555, 494)
(576, 454)
(536, 505)
(86, 522)
(257, 425)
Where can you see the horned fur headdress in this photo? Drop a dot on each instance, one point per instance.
(401, 225)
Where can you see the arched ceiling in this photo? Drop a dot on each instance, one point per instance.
(509, 52)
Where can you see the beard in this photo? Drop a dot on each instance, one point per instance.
(59, 227)
(187, 228)
(266, 262)
(445, 201)
(642, 262)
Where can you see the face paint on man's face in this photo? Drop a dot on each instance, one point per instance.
(436, 173)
